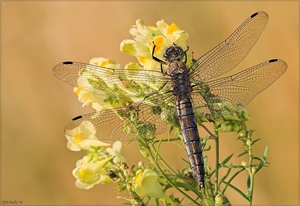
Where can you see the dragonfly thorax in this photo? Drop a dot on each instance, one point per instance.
(181, 86)
(173, 53)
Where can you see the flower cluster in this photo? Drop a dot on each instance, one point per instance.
(85, 90)
(115, 91)
(104, 164)
(137, 99)
(145, 37)
(92, 168)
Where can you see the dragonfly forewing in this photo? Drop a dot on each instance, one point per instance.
(107, 81)
(232, 51)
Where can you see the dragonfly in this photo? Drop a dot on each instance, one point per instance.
(181, 92)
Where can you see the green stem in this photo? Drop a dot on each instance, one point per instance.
(251, 174)
(156, 202)
(167, 140)
(153, 160)
(163, 161)
(208, 131)
(217, 161)
(251, 189)
(173, 172)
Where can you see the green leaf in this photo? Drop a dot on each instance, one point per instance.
(266, 151)
(232, 178)
(250, 132)
(170, 131)
(186, 161)
(246, 152)
(158, 147)
(225, 176)
(263, 160)
(238, 191)
(248, 182)
(253, 142)
(207, 149)
(184, 185)
(227, 159)
(243, 115)
(257, 158)
(233, 166)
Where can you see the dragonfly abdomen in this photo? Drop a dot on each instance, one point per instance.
(191, 138)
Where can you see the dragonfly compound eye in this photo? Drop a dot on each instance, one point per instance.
(173, 53)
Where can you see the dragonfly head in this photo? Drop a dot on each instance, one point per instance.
(173, 53)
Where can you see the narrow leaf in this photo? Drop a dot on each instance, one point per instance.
(157, 150)
(227, 159)
(225, 176)
(266, 151)
(232, 177)
(254, 141)
(263, 160)
(238, 191)
(246, 152)
(248, 182)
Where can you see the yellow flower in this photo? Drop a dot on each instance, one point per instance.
(104, 62)
(83, 137)
(115, 151)
(89, 98)
(145, 37)
(106, 90)
(146, 184)
(87, 93)
(90, 173)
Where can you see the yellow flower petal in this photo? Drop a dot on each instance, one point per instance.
(162, 26)
(83, 137)
(146, 183)
(173, 27)
(128, 46)
(158, 42)
(90, 173)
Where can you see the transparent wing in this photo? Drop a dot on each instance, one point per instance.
(229, 94)
(101, 80)
(232, 51)
(142, 121)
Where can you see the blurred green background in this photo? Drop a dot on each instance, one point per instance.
(36, 165)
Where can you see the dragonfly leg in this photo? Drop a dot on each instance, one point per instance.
(155, 58)
(158, 60)
(160, 88)
(185, 60)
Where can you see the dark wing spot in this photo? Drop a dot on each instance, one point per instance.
(273, 60)
(68, 62)
(253, 15)
(78, 117)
